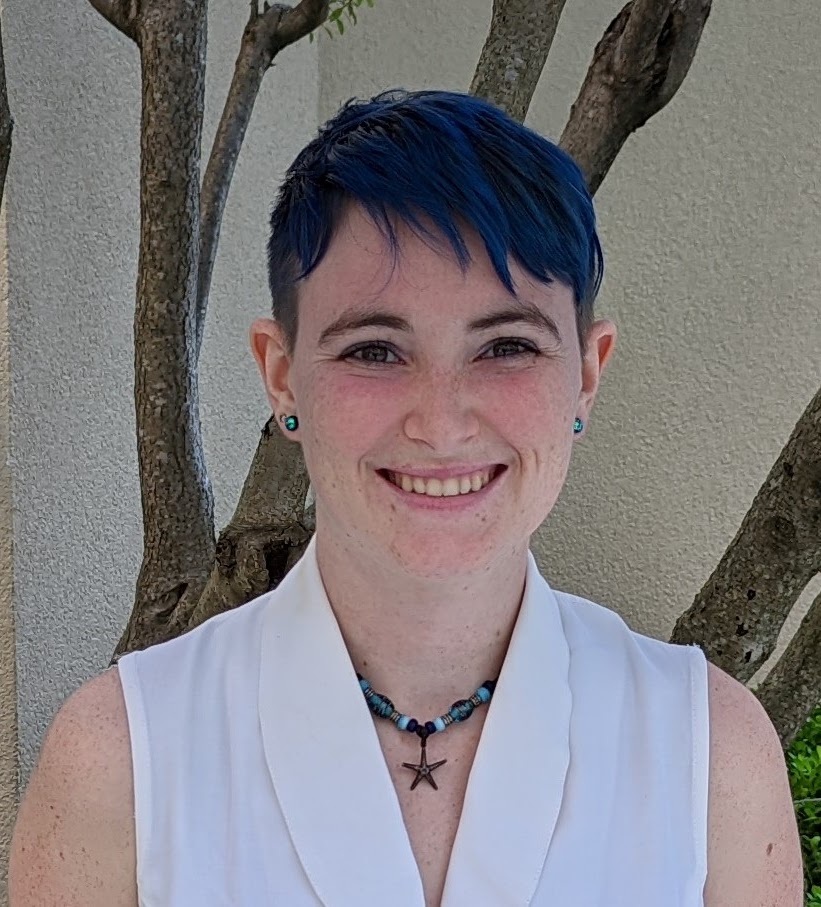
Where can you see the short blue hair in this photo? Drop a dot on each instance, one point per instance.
(449, 157)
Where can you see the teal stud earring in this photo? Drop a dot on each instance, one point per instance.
(578, 425)
(290, 422)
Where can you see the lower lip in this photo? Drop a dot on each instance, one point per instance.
(451, 503)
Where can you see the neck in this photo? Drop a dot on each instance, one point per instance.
(423, 643)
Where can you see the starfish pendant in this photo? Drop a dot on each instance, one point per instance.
(423, 770)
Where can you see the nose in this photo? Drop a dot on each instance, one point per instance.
(442, 413)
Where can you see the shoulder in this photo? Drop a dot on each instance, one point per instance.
(73, 841)
(754, 852)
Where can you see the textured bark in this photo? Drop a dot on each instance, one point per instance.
(6, 122)
(264, 37)
(122, 14)
(515, 52)
(268, 532)
(791, 691)
(177, 502)
(637, 67)
(738, 614)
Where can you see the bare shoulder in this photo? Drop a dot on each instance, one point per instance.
(754, 852)
(73, 842)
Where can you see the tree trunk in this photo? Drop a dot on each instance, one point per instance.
(738, 614)
(178, 509)
(515, 52)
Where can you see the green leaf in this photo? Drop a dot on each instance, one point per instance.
(340, 26)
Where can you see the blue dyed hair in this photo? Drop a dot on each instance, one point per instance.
(448, 157)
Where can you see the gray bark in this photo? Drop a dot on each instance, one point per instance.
(177, 503)
(515, 52)
(637, 68)
(738, 614)
(264, 37)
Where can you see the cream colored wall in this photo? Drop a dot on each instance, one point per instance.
(8, 687)
(710, 220)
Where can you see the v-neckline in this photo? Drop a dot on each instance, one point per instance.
(333, 783)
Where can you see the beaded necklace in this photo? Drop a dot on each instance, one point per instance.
(461, 710)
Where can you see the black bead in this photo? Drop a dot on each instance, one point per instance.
(430, 727)
(423, 732)
(413, 724)
(490, 686)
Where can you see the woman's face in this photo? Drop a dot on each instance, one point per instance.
(423, 371)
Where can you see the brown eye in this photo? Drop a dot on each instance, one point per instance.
(370, 354)
(510, 348)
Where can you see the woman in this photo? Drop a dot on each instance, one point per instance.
(414, 717)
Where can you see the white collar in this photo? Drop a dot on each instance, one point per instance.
(333, 784)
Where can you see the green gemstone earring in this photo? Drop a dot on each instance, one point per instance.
(290, 422)
(578, 425)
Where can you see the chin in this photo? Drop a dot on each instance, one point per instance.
(431, 555)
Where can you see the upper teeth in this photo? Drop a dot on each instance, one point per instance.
(441, 487)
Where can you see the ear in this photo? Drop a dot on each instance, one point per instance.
(269, 348)
(601, 341)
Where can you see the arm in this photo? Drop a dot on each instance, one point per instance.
(754, 851)
(73, 843)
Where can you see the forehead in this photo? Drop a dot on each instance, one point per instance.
(359, 266)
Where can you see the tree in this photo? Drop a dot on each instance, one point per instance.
(187, 574)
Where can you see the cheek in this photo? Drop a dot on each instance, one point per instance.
(347, 414)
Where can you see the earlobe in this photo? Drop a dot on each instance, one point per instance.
(268, 348)
(601, 342)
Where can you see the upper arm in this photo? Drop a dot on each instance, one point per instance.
(73, 842)
(754, 851)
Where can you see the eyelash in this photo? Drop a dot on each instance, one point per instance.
(528, 349)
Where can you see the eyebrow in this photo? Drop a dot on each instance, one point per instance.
(521, 312)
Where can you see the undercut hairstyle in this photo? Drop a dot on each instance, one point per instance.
(451, 159)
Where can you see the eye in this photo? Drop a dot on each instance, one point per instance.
(511, 348)
(371, 354)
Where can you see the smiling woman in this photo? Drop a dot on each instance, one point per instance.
(433, 267)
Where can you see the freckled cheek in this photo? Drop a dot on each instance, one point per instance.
(348, 414)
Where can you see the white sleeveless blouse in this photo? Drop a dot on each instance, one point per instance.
(260, 782)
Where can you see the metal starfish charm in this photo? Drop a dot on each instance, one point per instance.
(423, 770)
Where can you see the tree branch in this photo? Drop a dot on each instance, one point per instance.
(637, 67)
(122, 14)
(264, 37)
(738, 614)
(515, 51)
(268, 532)
(792, 689)
(177, 503)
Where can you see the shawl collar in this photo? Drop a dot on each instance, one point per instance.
(333, 785)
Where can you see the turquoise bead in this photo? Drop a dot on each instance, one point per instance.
(483, 694)
(403, 722)
(440, 724)
(365, 685)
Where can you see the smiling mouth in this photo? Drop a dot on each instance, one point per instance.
(443, 488)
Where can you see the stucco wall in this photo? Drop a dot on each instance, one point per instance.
(72, 198)
(8, 688)
(710, 220)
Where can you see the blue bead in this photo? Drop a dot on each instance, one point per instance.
(403, 722)
(364, 684)
(440, 724)
(483, 694)
(413, 724)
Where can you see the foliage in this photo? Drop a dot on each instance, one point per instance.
(804, 766)
(338, 9)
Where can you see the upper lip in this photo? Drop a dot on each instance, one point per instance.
(444, 472)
